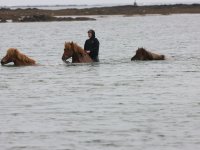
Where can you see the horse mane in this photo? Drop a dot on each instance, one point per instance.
(78, 54)
(78, 49)
(142, 49)
(146, 53)
(75, 47)
(20, 56)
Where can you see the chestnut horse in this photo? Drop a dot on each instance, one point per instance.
(76, 52)
(19, 59)
(143, 54)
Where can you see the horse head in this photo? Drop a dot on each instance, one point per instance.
(68, 51)
(141, 54)
(10, 56)
(77, 53)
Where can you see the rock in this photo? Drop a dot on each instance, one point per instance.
(46, 18)
(36, 18)
(84, 19)
(2, 20)
(5, 9)
(75, 19)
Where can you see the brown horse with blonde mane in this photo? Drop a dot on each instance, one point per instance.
(76, 52)
(18, 58)
(143, 54)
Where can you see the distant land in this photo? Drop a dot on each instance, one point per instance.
(51, 6)
(37, 14)
(57, 7)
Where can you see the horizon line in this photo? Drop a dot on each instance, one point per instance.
(111, 4)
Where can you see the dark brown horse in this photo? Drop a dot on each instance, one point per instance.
(76, 52)
(19, 59)
(143, 54)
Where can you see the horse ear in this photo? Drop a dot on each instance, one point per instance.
(72, 44)
(15, 52)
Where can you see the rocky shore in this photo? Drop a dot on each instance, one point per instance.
(38, 15)
(46, 18)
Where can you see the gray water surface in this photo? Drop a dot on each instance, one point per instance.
(114, 105)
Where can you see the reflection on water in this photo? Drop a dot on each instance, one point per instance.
(116, 104)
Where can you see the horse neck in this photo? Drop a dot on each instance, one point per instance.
(19, 62)
(149, 55)
(78, 55)
(75, 58)
(78, 49)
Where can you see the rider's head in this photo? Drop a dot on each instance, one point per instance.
(91, 34)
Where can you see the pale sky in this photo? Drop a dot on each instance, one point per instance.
(88, 2)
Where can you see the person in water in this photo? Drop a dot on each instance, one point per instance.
(92, 46)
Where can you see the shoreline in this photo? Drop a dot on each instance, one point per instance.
(40, 15)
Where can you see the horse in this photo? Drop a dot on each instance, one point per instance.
(77, 53)
(143, 54)
(18, 58)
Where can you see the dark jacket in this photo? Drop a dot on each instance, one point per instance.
(92, 45)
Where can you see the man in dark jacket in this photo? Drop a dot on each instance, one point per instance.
(92, 46)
